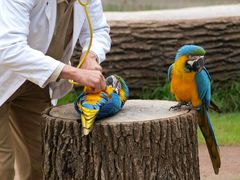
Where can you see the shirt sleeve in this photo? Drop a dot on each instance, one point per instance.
(101, 39)
(55, 75)
(15, 53)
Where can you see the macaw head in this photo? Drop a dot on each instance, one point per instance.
(114, 83)
(192, 57)
(119, 87)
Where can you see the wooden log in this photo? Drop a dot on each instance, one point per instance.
(144, 44)
(143, 141)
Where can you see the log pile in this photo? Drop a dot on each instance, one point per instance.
(143, 47)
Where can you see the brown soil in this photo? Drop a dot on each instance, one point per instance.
(230, 167)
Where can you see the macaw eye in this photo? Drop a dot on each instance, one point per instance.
(188, 67)
(109, 81)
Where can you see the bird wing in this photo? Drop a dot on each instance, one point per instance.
(204, 86)
(170, 73)
(204, 92)
(112, 107)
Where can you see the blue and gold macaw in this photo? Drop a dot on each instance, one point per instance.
(106, 103)
(190, 83)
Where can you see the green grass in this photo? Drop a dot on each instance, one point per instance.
(162, 91)
(226, 127)
(227, 98)
(136, 5)
(69, 98)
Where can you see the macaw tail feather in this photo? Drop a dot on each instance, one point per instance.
(207, 131)
(86, 131)
(88, 117)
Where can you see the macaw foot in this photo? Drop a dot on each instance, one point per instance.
(181, 106)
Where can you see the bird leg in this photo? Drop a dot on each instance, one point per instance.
(188, 106)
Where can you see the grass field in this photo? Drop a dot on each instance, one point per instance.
(136, 5)
(226, 127)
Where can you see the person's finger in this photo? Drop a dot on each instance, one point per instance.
(93, 90)
(103, 84)
(98, 67)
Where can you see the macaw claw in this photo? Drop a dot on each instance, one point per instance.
(182, 106)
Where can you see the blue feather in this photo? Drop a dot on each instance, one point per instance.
(170, 73)
(108, 105)
(187, 50)
(111, 107)
(204, 86)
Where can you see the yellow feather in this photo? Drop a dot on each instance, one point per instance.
(88, 118)
(183, 83)
(92, 98)
(122, 95)
(109, 90)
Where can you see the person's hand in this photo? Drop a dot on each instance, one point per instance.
(91, 78)
(91, 63)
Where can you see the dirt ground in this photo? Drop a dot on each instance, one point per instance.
(230, 167)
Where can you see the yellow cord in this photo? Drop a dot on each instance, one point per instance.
(91, 37)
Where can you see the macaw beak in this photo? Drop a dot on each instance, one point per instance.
(197, 63)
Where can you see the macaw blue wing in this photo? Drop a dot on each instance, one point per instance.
(169, 73)
(204, 86)
(112, 107)
(204, 91)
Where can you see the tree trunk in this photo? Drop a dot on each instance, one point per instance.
(145, 44)
(143, 141)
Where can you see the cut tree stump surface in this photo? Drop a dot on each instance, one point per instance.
(134, 110)
(143, 141)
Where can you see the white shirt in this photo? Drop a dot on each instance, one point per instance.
(26, 30)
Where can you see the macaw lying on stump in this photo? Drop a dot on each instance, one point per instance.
(92, 106)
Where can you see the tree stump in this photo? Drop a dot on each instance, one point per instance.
(143, 141)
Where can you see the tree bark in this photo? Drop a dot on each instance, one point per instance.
(143, 141)
(144, 47)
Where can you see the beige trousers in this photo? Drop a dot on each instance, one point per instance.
(20, 136)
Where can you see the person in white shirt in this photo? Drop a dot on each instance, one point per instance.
(37, 39)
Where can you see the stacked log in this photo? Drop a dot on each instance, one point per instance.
(145, 44)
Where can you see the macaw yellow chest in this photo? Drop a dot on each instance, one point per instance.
(184, 87)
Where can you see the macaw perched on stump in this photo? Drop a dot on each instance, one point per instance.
(190, 83)
(92, 106)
